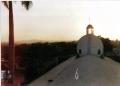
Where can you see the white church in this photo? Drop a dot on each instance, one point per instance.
(88, 68)
(90, 44)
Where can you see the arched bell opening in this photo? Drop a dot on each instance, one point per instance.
(89, 29)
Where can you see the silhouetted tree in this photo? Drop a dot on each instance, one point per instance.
(107, 43)
(8, 4)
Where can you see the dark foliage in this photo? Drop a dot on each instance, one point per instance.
(107, 43)
(38, 58)
(108, 48)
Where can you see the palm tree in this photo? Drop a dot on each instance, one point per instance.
(8, 4)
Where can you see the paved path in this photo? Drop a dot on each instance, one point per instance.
(43, 80)
(91, 71)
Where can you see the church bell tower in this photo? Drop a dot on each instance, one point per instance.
(90, 29)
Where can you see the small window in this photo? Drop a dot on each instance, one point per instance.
(80, 51)
(99, 52)
(50, 80)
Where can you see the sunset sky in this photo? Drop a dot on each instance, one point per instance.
(62, 20)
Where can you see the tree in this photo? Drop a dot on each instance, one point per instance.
(107, 43)
(8, 4)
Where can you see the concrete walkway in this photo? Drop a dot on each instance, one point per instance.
(91, 71)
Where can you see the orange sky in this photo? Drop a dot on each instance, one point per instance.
(62, 20)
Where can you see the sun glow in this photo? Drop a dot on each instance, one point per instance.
(62, 20)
